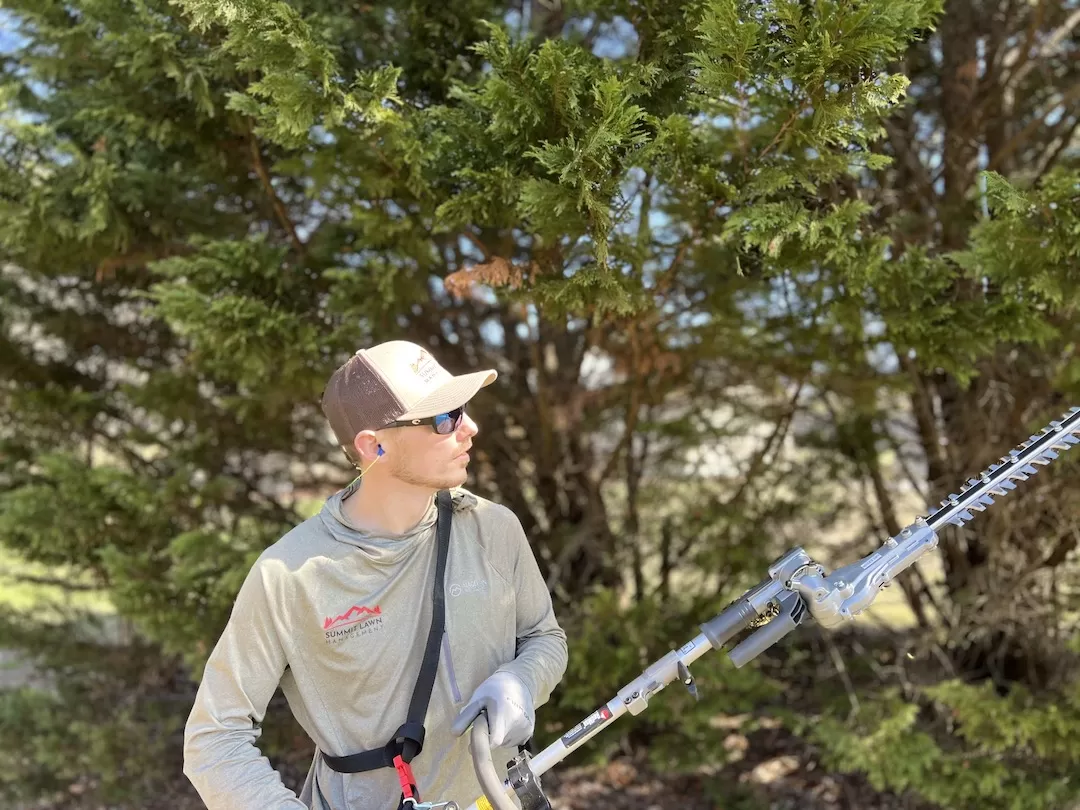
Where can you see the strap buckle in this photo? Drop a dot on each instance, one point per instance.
(406, 778)
(407, 733)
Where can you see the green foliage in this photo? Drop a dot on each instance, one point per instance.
(299, 85)
(685, 233)
(58, 517)
(802, 60)
(1012, 751)
(96, 720)
(1029, 247)
(1026, 251)
(244, 313)
(50, 740)
(150, 569)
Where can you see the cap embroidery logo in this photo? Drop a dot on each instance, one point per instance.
(358, 620)
(425, 366)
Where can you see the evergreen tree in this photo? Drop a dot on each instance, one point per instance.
(666, 224)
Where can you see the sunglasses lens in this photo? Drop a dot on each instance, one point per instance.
(446, 423)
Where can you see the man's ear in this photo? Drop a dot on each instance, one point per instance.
(367, 445)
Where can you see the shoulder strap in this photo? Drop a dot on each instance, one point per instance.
(425, 682)
(408, 740)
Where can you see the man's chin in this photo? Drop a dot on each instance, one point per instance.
(449, 481)
(456, 480)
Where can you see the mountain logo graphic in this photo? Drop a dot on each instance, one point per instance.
(357, 613)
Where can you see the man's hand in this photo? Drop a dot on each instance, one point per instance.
(509, 708)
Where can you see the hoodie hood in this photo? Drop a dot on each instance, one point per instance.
(383, 548)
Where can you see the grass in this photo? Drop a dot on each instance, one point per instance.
(47, 600)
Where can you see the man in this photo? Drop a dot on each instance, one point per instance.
(338, 612)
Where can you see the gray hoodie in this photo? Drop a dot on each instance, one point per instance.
(338, 617)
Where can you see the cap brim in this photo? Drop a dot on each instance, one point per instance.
(450, 395)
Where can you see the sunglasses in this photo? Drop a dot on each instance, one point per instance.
(443, 423)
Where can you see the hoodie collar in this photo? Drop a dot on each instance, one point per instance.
(383, 547)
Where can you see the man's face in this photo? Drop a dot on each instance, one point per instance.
(420, 456)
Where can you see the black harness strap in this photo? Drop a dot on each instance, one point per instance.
(408, 740)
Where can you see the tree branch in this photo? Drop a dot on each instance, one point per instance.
(1050, 158)
(903, 148)
(930, 437)
(777, 436)
(909, 474)
(475, 240)
(1019, 55)
(1017, 140)
(841, 670)
(784, 128)
(53, 582)
(632, 407)
(1026, 63)
(268, 187)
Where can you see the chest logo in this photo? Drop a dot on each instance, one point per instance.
(358, 620)
(472, 586)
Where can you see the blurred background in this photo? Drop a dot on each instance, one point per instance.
(755, 274)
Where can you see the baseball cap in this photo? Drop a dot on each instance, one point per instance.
(393, 381)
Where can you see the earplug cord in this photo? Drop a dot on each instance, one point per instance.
(372, 464)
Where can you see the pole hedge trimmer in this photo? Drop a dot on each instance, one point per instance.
(796, 588)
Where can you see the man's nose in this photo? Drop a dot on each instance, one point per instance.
(468, 426)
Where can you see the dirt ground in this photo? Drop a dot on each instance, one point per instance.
(776, 772)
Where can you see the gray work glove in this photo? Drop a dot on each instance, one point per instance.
(509, 708)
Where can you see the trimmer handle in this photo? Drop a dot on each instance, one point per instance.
(480, 745)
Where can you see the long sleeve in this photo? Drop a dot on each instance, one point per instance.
(242, 674)
(541, 643)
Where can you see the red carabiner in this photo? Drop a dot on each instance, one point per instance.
(405, 776)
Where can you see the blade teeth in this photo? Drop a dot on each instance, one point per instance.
(960, 518)
(1063, 440)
